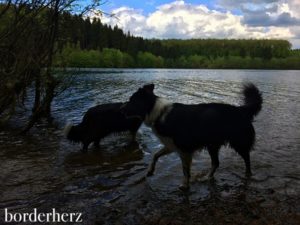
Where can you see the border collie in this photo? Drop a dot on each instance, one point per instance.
(187, 128)
(100, 121)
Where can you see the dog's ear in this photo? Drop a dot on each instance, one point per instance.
(149, 88)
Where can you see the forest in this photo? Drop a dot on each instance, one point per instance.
(87, 42)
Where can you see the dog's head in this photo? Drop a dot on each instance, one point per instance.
(140, 103)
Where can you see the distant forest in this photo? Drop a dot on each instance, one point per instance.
(86, 42)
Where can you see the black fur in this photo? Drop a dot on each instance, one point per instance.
(100, 121)
(186, 128)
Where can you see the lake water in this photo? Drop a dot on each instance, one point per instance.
(42, 170)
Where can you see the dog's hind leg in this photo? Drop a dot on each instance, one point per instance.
(244, 144)
(85, 147)
(214, 155)
(97, 143)
(86, 144)
(246, 156)
(157, 155)
(244, 152)
(186, 160)
(133, 135)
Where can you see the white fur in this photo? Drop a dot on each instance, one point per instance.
(67, 129)
(159, 106)
(160, 110)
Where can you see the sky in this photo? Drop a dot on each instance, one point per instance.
(163, 19)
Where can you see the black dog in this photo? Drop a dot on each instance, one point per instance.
(186, 128)
(100, 121)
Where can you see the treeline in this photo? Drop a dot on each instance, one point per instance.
(86, 42)
(106, 58)
(114, 58)
(92, 34)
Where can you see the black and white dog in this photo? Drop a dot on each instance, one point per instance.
(100, 121)
(187, 128)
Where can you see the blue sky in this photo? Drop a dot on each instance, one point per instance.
(276, 19)
(147, 5)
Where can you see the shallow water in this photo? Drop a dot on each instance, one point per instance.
(42, 170)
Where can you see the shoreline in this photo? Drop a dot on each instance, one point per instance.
(99, 69)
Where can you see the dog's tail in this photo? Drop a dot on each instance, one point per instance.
(252, 100)
(73, 132)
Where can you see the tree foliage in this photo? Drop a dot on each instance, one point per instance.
(30, 34)
(91, 34)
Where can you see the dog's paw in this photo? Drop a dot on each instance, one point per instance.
(84, 150)
(149, 173)
(96, 146)
(248, 174)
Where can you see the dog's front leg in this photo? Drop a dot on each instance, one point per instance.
(133, 136)
(157, 155)
(214, 155)
(186, 160)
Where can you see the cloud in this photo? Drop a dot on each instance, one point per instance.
(266, 12)
(179, 19)
(260, 18)
(294, 8)
(234, 4)
(296, 31)
(129, 19)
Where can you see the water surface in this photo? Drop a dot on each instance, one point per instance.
(42, 170)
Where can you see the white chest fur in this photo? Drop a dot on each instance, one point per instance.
(159, 112)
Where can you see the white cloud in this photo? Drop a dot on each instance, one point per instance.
(254, 4)
(294, 7)
(182, 20)
(127, 18)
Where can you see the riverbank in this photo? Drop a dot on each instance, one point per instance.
(136, 200)
(43, 171)
(223, 205)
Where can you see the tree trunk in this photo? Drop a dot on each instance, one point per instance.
(37, 97)
(44, 108)
(50, 88)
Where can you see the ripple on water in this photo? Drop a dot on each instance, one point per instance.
(44, 170)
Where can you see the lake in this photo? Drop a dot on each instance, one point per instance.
(42, 170)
